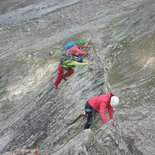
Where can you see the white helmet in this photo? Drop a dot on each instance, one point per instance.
(114, 101)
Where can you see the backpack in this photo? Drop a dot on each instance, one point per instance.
(70, 44)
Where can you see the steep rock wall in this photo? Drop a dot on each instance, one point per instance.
(122, 43)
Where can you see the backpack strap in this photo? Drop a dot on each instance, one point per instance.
(65, 58)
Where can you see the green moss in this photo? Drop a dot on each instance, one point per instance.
(147, 44)
(149, 84)
(2, 92)
(119, 49)
(115, 75)
(6, 107)
(129, 57)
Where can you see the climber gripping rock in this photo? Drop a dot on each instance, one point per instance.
(100, 104)
(70, 59)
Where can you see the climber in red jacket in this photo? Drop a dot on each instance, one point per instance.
(100, 104)
(74, 52)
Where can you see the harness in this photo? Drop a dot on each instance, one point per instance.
(89, 109)
(66, 56)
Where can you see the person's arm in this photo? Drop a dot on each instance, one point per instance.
(110, 111)
(84, 46)
(102, 112)
(76, 49)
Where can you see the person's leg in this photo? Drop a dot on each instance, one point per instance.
(69, 73)
(89, 113)
(89, 120)
(59, 76)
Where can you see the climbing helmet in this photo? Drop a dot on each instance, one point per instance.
(80, 42)
(114, 101)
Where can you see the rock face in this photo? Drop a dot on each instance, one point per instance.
(33, 37)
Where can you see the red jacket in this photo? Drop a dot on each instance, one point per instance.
(75, 49)
(101, 103)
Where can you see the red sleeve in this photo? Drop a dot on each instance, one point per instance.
(102, 112)
(110, 111)
(76, 49)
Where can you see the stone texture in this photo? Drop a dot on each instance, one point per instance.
(122, 50)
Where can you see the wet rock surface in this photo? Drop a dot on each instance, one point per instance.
(33, 35)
